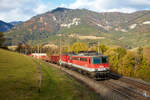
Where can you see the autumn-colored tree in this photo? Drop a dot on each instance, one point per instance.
(133, 64)
(79, 46)
(65, 49)
(127, 66)
(121, 52)
(140, 51)
(103, 48)
(140, 54)
(93, 48)
(113, 59)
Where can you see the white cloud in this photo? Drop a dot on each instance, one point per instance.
(40, 9)
(139, 2)
(22, 9)
(12, 10)
(63, 5)
(125, 10)
(111, 5)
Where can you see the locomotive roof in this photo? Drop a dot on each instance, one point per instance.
(89, 55)
(86, 54)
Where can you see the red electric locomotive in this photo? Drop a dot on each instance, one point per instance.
(94, 64)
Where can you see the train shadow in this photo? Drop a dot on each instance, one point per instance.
(115, 76)
(112, 75)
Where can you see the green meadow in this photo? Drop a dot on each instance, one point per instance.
(19, 80)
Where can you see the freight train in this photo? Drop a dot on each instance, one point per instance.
(90, 63)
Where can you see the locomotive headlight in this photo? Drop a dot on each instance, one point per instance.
(101, 66)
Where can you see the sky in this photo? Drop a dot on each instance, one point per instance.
(22, 10)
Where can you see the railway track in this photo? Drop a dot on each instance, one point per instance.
(113, 89)
(125, 90)
(142, 88)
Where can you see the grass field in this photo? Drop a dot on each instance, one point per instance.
(19, 75)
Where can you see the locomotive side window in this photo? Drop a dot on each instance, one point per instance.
(104, 60)
(83, 59)
(70, 57)
(76, 58)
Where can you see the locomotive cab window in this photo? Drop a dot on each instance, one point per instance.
(99, 60)
(96, 60)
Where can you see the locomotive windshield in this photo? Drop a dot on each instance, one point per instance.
(96, 60)
(99, 60)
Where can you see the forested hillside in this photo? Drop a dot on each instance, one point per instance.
(128, 30)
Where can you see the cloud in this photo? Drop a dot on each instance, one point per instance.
(139, 2)
(112, 5)
(22, 9)
(125, 10)
(13, 10)
(40, 9)
(63, 5)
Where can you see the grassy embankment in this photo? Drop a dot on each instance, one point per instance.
(19, 77)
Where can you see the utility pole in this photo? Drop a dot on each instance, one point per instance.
(68, 45)
(60, 49)
(38, 49)
(40, 80)
(98, 47)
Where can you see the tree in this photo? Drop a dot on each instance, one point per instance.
(102, 48)
(20, 48)
(115, 57)
(79, 46)
(140, 54)
(140, 51)
(65, 49)
(2, 39)
(121, 52)
(127, 65)
(24, 48)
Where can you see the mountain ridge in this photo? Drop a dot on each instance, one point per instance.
(15, 22)
(116, 27)
(5, 26)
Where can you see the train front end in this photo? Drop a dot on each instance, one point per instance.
(100, 67)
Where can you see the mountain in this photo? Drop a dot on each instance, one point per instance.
(111, 28)
(5, 26)
(15, 22)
